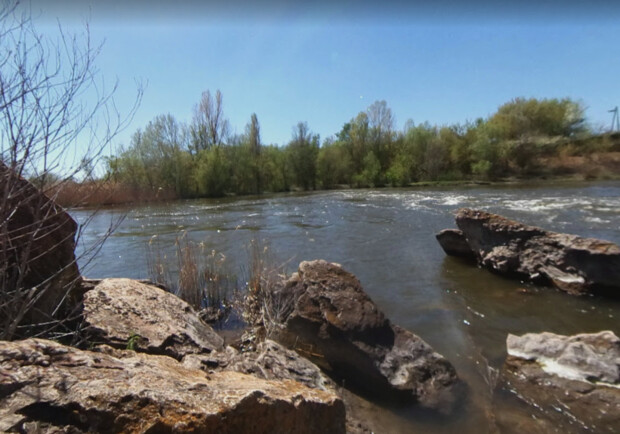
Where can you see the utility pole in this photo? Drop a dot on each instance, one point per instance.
(615, 122)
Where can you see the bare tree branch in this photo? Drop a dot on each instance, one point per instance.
(56, 117)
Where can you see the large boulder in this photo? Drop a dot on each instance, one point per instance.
(573, 382)
(125, 313)
(47, 387)
(269, 360)
(571, 263)
(37, 243)
(326, 316)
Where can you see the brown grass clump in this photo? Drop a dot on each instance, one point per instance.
(200, 278)
(263, 306)
(102, 192)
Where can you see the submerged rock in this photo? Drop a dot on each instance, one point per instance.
(571, 263)
(48, 387)
(327, 317)
(571, 381)
(126, 313)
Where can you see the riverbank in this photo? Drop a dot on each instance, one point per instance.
(603, 166)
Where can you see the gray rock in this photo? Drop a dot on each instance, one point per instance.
(453, 242)
(54, 388)
(571, 263)
(330, 320)
(125, 313)
(270, 361)
(585, 357)
(569, 382)
(562, 379)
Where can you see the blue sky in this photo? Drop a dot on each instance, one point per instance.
(445, 62)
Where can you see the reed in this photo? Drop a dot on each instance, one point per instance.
(203, 279)
(199, 277)
(264, 308)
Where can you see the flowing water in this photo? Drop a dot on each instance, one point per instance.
(387, 239)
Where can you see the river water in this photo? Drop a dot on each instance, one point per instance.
(387, 239)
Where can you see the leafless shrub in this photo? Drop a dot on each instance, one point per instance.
(43, 118)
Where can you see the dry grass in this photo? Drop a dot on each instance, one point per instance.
(591, 166)
(96, 193)
(202, 278)
(263, 306)
(199, 277)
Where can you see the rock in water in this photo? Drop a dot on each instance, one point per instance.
(573, 264)
(37, 245)
(127, 313)
(571, 381)
(327, 317)
(453, 242)
(586, 357)
(52, 388)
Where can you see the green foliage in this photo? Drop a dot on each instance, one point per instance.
(155, 158)
(482, 169)
(334, 166)
(275, 169)
(302, 152)
(212, 173)
(398, 174)
(202, 159)
(532, 117)
(371, 173)
(523, 153)
(132, 341)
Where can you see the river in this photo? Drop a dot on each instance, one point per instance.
(386, 238)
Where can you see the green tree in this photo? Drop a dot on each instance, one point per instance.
(303, 150)
(532, 117)
(371, 173)
(209, 126)
(357, 140)
(381, 125)
(155, 158)
(253, 134)
(333, 165)
(417, 140)
(487, 153)
(275, 169)
(212, 174)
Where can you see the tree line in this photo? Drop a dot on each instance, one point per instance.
(203, 159)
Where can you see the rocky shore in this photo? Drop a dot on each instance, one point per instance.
(151, 364)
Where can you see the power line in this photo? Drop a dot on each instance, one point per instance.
(615, 122)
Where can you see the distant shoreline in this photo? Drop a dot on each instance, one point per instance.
(508, 181)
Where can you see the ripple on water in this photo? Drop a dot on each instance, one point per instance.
(546, 204)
